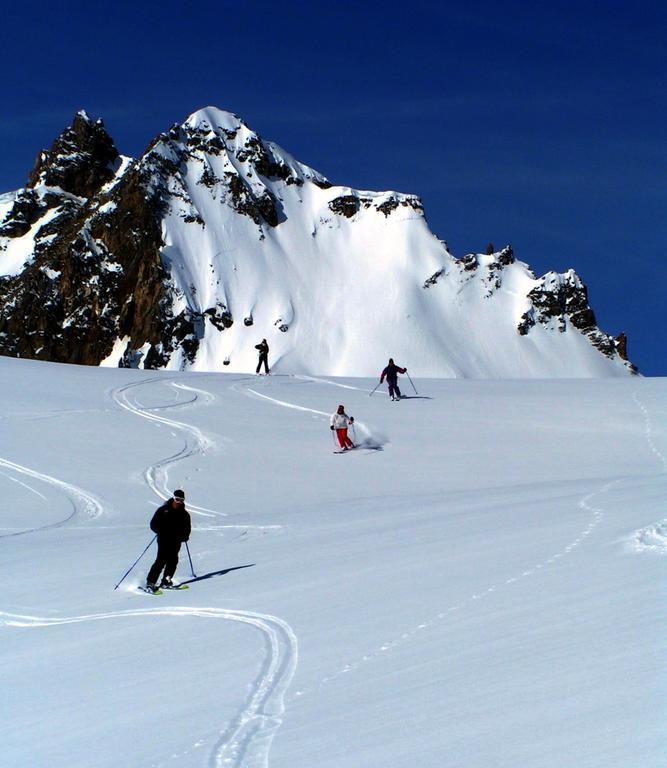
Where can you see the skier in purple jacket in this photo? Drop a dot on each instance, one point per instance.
(391, 372)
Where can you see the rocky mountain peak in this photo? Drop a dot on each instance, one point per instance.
(155, 261)
(80, 161)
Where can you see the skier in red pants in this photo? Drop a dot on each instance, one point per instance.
(340, 421)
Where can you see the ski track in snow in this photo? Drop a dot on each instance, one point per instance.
(651, 538)
(195, 441)
(368, 441)
(318, 380)
(81, 501)
(247, 739)
(595, 516)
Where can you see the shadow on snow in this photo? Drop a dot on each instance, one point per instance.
(216, 573)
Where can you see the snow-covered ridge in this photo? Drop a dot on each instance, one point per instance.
(222, 238)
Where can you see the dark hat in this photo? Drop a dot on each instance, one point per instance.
(179, 494)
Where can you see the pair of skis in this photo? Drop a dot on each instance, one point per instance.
(160, 590)
(347, 450)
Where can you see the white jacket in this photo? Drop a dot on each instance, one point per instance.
(340, 420)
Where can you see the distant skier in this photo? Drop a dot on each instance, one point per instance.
(263, 348)
(171, 522)
(391, 372)
(340, 421)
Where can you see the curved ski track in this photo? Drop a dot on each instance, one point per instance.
(595, 517)
(247, 739)
(651, 538)
(195, 441)
(81, 500)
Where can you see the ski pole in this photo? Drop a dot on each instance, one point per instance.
(370, 394)
(411, 382)
(194, 575)
(135, 562)
(333, 437)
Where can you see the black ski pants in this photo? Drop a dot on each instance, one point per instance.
(263, 358)
(394, 391)
(167, 559)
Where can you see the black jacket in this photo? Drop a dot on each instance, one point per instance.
(391, 372)
(263, 348)
(171, 523)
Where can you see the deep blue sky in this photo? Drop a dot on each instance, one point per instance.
(536, 124)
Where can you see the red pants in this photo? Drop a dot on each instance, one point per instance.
(343, 439)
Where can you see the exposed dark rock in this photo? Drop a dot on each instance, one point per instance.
(248, 320)
(208, 178)
(392, 203)
(388, 206)
(264, 162)
(434, 278)
(199, 139)
(345, 205)
(506, 256)
(621, 343)
(220, 317)
(28, 208)
(563, 297)
(470, 262)
(260, 208)
(80, 161)
(189, 218)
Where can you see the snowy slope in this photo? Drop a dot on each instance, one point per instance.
(215, 238)
(485, 589)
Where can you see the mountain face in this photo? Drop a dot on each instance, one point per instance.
(215, 238)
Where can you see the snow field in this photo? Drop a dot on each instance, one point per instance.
(469, 595)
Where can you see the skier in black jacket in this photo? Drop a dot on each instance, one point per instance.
(263, 348)
(171, 522)
(391, 372)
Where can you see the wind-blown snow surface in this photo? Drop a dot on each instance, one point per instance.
(485, 587)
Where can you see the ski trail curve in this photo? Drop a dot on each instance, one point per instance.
(651, 538)
(596, 515)
(81, 500)
(648, 430)
(370, 440)
(319, 380)
(247, 739)
(195, 441)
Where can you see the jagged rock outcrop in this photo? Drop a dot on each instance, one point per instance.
(559, 299)
(80, 161)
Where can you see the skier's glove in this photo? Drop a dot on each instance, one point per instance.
(351, 419)
(331, 427)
